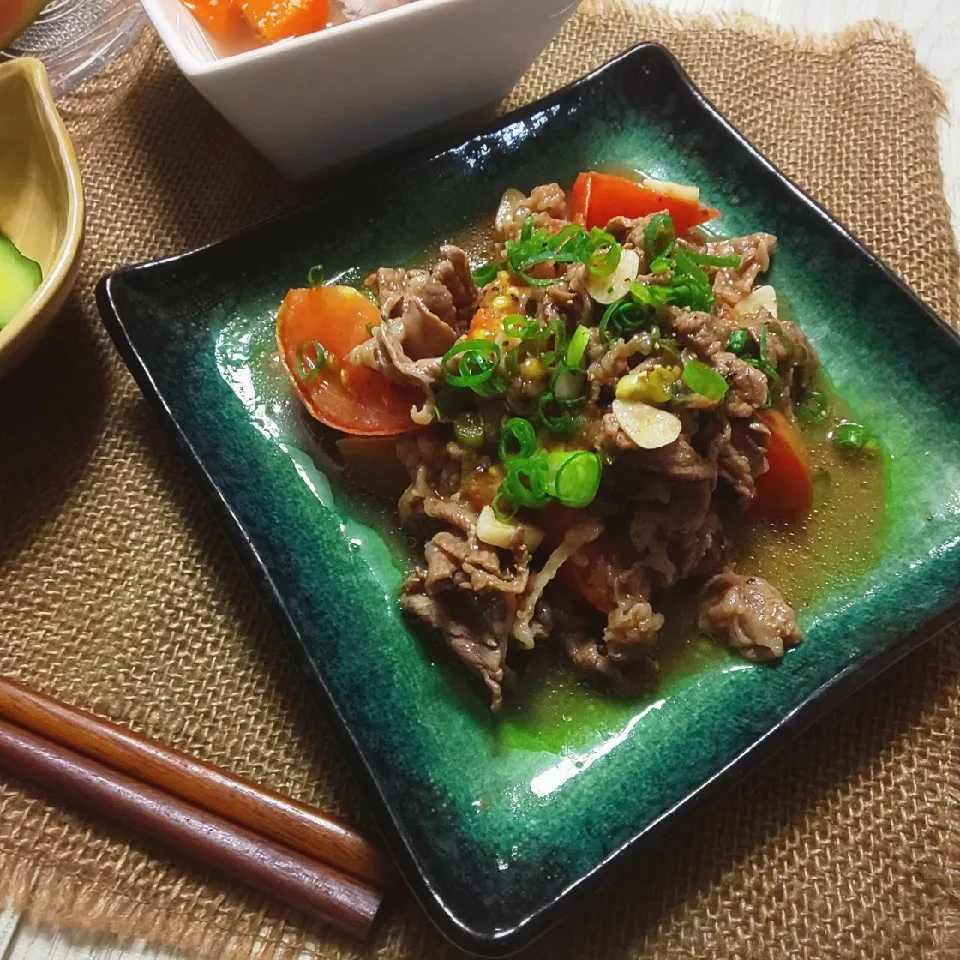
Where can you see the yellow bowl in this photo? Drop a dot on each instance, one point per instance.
(41, 198)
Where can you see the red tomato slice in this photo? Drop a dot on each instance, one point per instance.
(599, 197)
(590, 579)
(355, 400)
(787, 487)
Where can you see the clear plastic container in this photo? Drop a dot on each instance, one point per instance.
(76, 39)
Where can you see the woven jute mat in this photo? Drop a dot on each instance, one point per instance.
(118, 591)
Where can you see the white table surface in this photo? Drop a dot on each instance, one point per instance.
(935, 28)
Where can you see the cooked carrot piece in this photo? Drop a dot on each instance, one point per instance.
(277, 19)
(786, 488)
(221, 17)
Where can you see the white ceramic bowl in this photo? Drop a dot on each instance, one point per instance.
(312, 101)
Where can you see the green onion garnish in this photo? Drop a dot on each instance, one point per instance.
(316, 276)
(659, 239)
(813, 409)
(476, 363)
(503, 507)
(577, 346)
(557, 416)
(576, 477)
(762, 363)
(852, 436)
(604, 254)
(486, 273)
(468, 429)
(738, 341)
(691, 286)
(704, 380)
(308, 366)
(709, 260)
(526, 482)
(597, 249)
(519, 326)
(517, 439)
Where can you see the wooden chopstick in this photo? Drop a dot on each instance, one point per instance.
(305, 884)
(250, 805)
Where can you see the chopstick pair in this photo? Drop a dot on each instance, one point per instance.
(284, 848)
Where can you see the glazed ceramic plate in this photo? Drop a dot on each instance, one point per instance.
(500, 823)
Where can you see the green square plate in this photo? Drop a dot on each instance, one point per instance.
(500, 824)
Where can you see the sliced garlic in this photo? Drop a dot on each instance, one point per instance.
(761, 298)
(677, 191)
(509, 205)
(615, 285)
(648, 427)
(498, 533)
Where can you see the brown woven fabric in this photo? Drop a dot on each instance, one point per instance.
(118, 592)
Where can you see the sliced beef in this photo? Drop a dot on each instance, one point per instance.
(435, 472)
(474, 626)
(633, 623)
(591, 659)
(567, 298)
(680, 538)
(453, 272)
(742, 458)
(547, 204)
(423, 313)
(733, 284)
(749, 388)
(386, 350)
(749, 615)
(703, 333)
(678, 460)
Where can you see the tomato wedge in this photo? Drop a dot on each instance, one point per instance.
(787, 487)
(599, 197)
(587, 572)
(355, 400)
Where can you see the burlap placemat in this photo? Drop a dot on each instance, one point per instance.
(118, 592)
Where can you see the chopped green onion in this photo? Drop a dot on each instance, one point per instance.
(316, 276)
(554, 332)
(519, 326)
(486, 273)
(659, 238)
(704, 380)
(526, 482)
(813, 409)
(604, 253)
(476, 362)
(691, 286)
(763, 363)
(468, 429)
(660, 265)
(369, 328)
(568, 383)
(503, 507)
(852, 436)
(650, 294)
(737, 342)
(308, 367)
(576, 478)
(710, 260)
(517, 439)
(577, 346)
(556, 416)
(598, 250)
